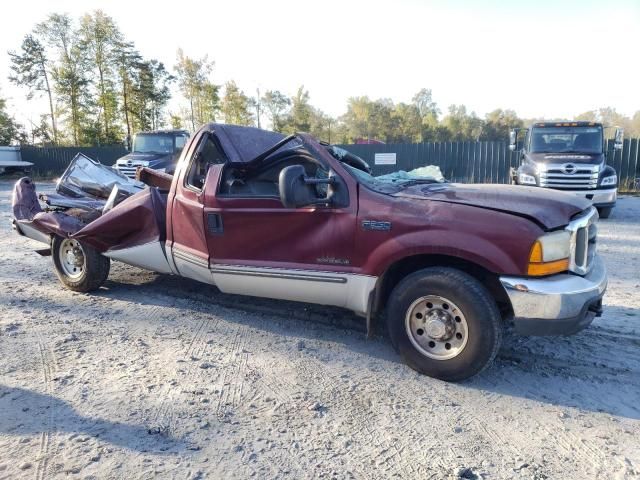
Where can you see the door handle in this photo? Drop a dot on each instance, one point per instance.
(214, 223)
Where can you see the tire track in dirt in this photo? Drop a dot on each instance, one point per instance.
(228, 388)
(392, 455)
(232, 381)
(315, 372)
(614, 336)
(578, 369)
(162, 421)
(587, 452)
(401, 454)
(492, 437)
(49, 367)
(396, 457)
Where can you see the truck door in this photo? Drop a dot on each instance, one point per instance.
(187, 236)
(259, 247)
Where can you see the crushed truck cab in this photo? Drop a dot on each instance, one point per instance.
(253, 212)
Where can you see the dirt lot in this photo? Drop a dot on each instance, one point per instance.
(159, 376)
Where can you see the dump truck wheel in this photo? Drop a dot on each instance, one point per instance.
(78, 266)
(444, 323)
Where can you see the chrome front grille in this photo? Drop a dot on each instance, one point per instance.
(128, 171)
(584, 240)
(569, 176)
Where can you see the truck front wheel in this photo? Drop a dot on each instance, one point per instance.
(78, 266)
(444, 323)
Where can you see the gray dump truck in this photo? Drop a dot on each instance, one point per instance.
(158, 150)
(567, 156)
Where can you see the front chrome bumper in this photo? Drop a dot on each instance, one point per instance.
(597, 197)
(561, 304)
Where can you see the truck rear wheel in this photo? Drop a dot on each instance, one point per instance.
(78, 266)
(444, 323)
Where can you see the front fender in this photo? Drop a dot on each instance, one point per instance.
(497, 241)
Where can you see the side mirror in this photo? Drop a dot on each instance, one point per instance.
(297, 190)
(618, 142)
(513, 137)
(127, 143)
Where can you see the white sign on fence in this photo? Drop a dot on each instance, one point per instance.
(385, 159)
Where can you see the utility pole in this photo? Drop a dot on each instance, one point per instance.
(258, 106)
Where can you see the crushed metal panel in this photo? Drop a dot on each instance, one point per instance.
(24, 201)
(242, 144)
(137, 220)
(87, 177)
(150, 256)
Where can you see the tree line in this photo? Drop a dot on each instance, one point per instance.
(99, 88)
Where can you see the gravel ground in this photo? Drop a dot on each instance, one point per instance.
(159, 376)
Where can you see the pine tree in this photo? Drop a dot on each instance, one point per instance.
(235, 105)
(31, 69)
(99, 38)
(69, 73)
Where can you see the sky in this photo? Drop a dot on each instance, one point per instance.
(541, 58)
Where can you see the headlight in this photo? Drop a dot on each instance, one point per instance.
(610, 180)
(524, 179)
(550, 254)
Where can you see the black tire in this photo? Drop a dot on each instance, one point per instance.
(482, 322)
(91, 274)
(605, 212)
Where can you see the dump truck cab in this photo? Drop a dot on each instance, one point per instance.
(159, 150)
(567, 156)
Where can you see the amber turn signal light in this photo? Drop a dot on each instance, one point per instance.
(538, 267)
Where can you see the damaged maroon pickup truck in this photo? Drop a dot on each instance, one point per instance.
(257, 213)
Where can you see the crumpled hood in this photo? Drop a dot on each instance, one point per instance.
(549, 208)
(152, 158)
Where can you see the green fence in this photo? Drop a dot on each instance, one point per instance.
(484, 162)
(51, 161)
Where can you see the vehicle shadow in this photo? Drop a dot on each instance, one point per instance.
(25, 412)
(579, 371)
(575, 371)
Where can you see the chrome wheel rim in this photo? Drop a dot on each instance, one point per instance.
(436, 327)
(71, 256)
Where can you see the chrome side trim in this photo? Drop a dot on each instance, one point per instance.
(350, 291)
(188, 257)
(150, 256)
(289, 275)
(191, 266)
